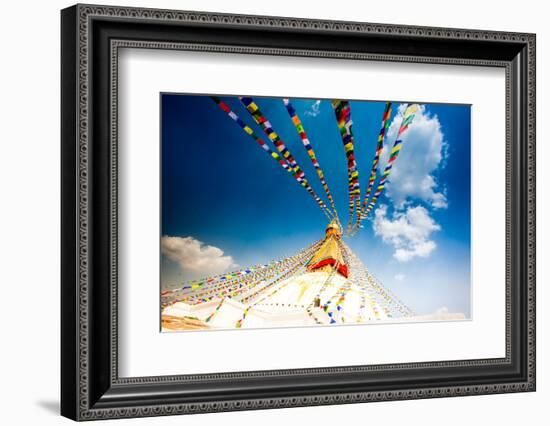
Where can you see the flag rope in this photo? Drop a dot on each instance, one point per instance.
(379, 146)
(262, 121)
(298, 175)
(310, 152)
(342, 111)
(408, 116)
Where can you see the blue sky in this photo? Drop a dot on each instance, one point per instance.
(228, 203)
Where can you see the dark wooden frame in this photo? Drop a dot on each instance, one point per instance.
(91, 37)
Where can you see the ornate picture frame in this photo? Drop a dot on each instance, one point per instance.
(91, 37)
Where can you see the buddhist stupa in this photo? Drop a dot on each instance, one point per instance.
(323, 284)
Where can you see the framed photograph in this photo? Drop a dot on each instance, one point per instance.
(263, 212)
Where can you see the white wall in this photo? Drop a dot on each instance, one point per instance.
(29, 209)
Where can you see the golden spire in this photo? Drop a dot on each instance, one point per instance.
(333, 228)
(329, 255)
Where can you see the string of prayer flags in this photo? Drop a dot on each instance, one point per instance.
(298, 175)
(209, 317)
(379, 146)
(408, 117)
(310, 152)
(342, 111)
(298, 269)
(267, 128)
(241, 287)
(372, 178)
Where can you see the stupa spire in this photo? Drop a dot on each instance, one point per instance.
(329, 256)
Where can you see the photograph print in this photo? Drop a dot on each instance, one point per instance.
(290, 212)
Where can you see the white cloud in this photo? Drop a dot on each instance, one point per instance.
(424, 151)
(408, 232)
(193, 256)
(442, 310)
(399, 277)
(314, 110)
